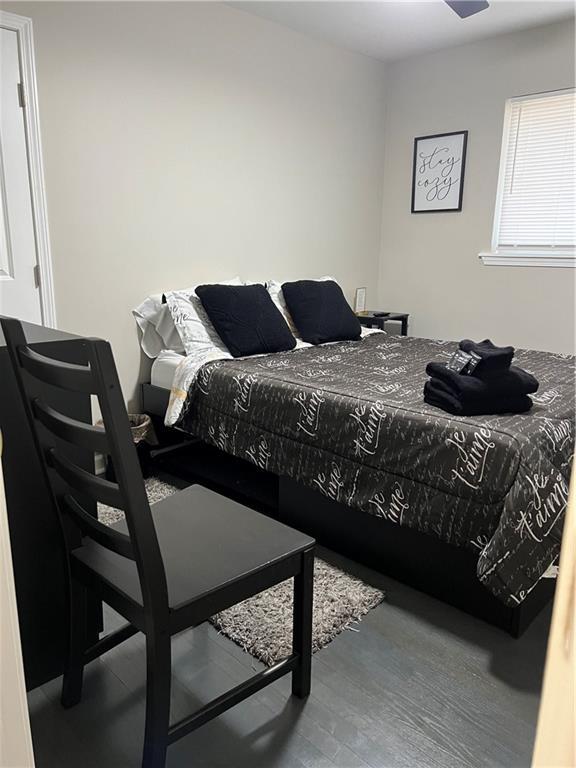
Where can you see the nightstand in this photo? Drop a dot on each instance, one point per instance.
(371, 321)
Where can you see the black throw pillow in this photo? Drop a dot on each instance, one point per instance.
(320, 311)
(246, 319)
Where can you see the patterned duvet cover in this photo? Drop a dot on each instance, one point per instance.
(349, 421)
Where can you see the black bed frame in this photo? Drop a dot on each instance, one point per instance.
(419, 560)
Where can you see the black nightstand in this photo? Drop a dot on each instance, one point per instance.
(370, 320)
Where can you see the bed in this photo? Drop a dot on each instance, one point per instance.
(345, 428)
(335, 438)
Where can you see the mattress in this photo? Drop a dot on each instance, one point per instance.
(349, 421)
(164, 368)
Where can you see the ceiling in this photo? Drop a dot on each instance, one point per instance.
(395, 29)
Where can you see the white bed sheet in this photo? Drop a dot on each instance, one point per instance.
(164, 368)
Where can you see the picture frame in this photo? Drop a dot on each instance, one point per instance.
(438, 166)
(360, 300)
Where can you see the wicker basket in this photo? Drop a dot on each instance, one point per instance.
(144, 436)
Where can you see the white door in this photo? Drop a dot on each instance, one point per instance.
(19, 293)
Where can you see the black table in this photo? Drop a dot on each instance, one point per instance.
(370, 320)
(37, 547)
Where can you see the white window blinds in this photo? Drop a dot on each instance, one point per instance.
(536, 201)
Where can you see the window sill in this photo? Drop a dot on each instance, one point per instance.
(528, 259)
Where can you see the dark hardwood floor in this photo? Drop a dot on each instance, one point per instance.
(418, 684)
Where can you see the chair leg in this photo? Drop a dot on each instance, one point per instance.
(302, 625)
(158, 681)
(74, 667)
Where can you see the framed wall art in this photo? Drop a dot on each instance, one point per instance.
(438, 172)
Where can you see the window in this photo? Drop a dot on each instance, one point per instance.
(534, 221)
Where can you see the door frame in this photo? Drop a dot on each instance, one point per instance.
(23, 28)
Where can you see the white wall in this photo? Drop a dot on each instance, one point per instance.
(429, 264)
(188, 142)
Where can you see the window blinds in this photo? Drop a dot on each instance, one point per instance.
(537, 200)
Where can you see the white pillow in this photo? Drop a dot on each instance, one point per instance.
(191, 321)
(157, 327)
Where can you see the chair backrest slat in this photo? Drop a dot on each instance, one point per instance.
(85, 482)
(103, 534)
(75, 432)
(99, 377)
(127, 468)
(60, 374)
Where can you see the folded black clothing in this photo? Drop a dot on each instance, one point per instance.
(471, 389)
(493, 359)
(437, 394)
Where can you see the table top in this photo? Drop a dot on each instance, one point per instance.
(36, 334)
(388, 316)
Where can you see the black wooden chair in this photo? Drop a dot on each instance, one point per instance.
(166, 568)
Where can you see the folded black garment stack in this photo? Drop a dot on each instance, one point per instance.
(493, 359)
(510, 383)
(493, 386)
(437, 394)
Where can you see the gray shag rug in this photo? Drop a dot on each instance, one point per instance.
(156, 490)
(262, 625)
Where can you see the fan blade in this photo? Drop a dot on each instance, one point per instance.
(465, 8)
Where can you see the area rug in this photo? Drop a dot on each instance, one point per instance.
(262, 625)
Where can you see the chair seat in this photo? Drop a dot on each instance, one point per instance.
(207, 543)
